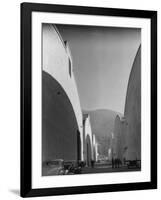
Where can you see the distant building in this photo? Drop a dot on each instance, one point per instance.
(117, 130)
(127, 130)
(62, 123)
(95, 148)
(87, 140)
(111, 145)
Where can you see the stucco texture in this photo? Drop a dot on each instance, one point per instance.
(133, 110)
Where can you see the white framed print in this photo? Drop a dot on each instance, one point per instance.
(88, 99)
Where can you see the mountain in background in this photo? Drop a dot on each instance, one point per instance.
(102, 124)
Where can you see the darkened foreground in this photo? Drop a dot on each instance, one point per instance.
(60, 167)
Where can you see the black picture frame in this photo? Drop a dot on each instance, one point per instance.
(26, 103)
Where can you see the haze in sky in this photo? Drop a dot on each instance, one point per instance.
(102, 61)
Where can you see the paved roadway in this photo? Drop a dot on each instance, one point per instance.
(107, 169)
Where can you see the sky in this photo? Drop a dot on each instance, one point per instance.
(102, 61)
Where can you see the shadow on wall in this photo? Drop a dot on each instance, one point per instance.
(59, 124)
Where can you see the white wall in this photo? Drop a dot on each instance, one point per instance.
(9, 101)
(56, 63)
(56, 57)
(88, 133)
(88, 130)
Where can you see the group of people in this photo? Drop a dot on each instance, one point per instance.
(116, 163)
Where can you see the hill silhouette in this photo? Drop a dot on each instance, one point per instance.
(102, 123)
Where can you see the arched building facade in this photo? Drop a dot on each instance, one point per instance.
(87, 140)
(62, 122)
(127, 130)
(132, 111)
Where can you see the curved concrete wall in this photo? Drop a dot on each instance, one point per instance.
(57, 62)
(59, 124)
(133, 110)
(127, 129)
(87, 140)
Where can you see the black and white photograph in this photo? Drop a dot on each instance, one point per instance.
(91, 99)
(88, 99)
